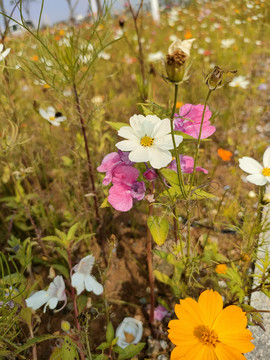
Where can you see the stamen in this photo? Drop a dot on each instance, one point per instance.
(266, 172)
(147, 141)
(52, 118)
(206, 336)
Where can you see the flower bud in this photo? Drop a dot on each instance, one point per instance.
(150, 175)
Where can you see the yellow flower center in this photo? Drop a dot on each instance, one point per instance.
(206, 336)
(147, 141)
(52, 118)
(266, 172)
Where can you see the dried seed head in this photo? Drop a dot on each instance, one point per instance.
(175, 65)
(215, 79)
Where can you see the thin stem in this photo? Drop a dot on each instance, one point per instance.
(179, 171)
(89, 161)
(74, 299)
(140, 56)
(150, 268)
(198, 144)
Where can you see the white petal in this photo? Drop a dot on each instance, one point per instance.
(60, 118)
(77, 281)
(159, 158)
(250, 165)
(162, 128)
(127, 145)
(140, 154)
(266, 158)
(91, 284)
(54, 123)
(85, 265)
(1, 47)
(178, 139)
(136, 122)
(257, 179)
(44, 114)
(127, 132)
(37, 300)
(50, 111)
(53, 303)
(5, 53)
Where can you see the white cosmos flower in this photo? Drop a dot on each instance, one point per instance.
(148, 139)
(129, 332)
(239, 81)
(82, 279)
(259, 175)
(55, 293)
(184, 46)
(3, 54)
(227, 43)
(51, 115)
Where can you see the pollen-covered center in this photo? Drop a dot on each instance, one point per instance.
(206, 336)
(266, 172)
(147, 141)
(52, 118)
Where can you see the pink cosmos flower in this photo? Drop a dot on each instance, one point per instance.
(111, 162)
(187, 165)
(125, 188)
(189, 121)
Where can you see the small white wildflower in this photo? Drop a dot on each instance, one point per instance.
(129, 332)
(51, 115)
(82, 279)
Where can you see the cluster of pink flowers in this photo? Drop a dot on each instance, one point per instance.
(119, 169)
(120, 172)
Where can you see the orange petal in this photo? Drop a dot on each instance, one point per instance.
(230, 320)
(211, 305)
(225, 352)
(189, 308)
(196, 352)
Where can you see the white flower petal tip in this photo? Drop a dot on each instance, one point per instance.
(129, 332)
(258, 174)
(148, 138)
(81, 279)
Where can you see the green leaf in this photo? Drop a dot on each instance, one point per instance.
(81, 302)
(71, 232)
(159, 228)
(62, 269)
(163, 278)
(105, 203)
(57, 354)
(109, 333)
(116, 125)
(103, 346)
(198, 194)
(69, 349)
(36, 340)
(171, 176)
(131, 351)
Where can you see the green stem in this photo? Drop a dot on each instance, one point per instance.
(179, 171)
(198, 144)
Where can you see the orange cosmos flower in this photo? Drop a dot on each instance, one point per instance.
(221, 269)
(35, 58)
(188, 35)
(206, 331)
(225, 155)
